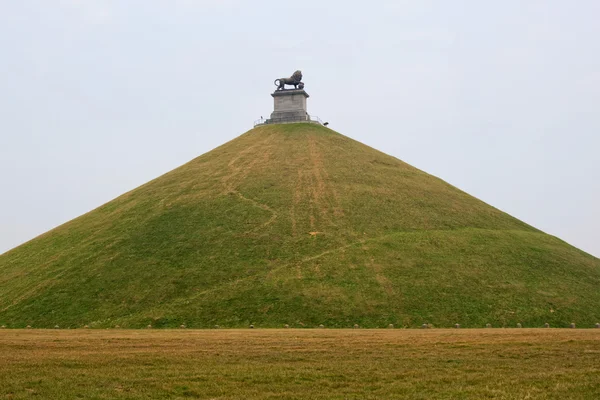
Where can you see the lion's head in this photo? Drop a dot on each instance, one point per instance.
(297, 76)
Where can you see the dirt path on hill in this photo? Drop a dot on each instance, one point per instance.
(381, 279)
(239, 168)
(297, 264)
(296, 201)
(325, 202)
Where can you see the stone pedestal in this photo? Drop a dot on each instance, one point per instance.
(290, 106)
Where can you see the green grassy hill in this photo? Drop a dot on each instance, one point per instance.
(297, 224)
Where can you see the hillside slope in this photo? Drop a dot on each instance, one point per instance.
(296, 224)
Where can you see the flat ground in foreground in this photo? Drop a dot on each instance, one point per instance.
(301, 364)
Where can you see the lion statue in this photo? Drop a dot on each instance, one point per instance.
(292, 80)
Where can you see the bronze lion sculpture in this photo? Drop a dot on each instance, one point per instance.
(292, 80)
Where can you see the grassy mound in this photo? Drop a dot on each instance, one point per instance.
(297, 224)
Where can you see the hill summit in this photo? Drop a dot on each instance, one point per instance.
(297, 224)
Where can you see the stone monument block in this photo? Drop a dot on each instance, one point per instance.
(290, 106)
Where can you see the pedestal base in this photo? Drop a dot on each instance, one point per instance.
(290, 106)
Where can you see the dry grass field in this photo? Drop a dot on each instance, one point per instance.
(301, 364)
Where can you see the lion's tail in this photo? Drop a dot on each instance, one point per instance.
(277, 82)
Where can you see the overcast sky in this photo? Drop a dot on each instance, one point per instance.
(499, 98)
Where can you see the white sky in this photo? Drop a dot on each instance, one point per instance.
(499, 98)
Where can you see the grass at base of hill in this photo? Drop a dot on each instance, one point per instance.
(301, 364)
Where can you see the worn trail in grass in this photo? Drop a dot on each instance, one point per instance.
(301, 364)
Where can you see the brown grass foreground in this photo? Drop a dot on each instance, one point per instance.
(301, 364)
